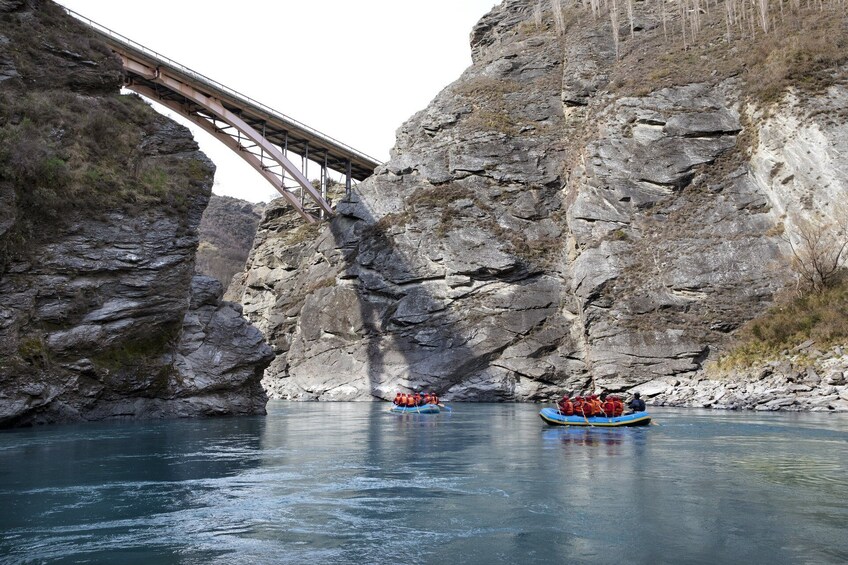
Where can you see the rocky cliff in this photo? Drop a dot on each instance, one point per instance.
(599, 202)
(227, 229)
(101, 315)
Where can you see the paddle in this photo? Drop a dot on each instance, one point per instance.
(583, 413)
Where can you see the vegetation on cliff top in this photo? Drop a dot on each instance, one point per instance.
(821, 317)
(771, 45)
(816, 310)
(64, 152)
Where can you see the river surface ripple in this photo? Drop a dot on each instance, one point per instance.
(330, 483)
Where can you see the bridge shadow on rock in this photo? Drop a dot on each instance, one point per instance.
(451, 315)
(408, 334)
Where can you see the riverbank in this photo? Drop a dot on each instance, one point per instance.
(804, 379)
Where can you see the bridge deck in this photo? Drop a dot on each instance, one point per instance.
(278, 128)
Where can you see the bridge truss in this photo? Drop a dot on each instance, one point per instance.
(264, 138)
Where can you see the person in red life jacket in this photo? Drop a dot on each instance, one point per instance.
(560, 404)
(618, 406)
(602, 400)
(587, 406)
(417, 399)
(582, 407)
(396, 401)
(594, 406)
(566, 407)
(607, 405)
(409, 401)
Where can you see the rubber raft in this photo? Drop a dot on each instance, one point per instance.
(554, 418)
(424, 409)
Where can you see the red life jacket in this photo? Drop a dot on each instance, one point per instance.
(582, 408)
(567, 407)
(597, 409)
(609, 407)
(619, 406)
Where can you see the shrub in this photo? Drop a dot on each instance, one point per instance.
(61, 152)
(821, 317)
(819, 253)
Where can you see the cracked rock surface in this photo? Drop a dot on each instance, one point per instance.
(537, 231)
(100, 314)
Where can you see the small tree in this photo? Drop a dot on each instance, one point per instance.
(819, 253)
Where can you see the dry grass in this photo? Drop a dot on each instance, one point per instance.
(488, 101)
(487, 119)
(303, 233)
(802, 48)
(821, 317)
(65, 153)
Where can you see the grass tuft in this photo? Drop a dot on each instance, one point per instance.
(821, 317)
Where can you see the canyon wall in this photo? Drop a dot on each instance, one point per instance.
(101, 315)
(573, 213)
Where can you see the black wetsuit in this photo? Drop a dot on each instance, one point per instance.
(637, 405)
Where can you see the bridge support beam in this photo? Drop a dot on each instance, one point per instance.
(243, 130)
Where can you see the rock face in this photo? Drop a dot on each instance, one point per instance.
(550, 224)
(808, 380)
(227, 229)
(100, 316)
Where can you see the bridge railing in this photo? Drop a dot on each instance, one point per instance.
(127, 42)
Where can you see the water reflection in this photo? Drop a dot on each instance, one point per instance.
(343, 483)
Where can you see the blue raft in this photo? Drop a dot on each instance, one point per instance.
(424, 409)
(554, 418)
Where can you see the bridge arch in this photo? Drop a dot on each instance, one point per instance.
(261, 136)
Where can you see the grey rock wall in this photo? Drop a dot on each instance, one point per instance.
(100, 314)
(102, 319)
(537, 231)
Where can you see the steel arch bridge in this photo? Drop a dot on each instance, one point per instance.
(258, 134)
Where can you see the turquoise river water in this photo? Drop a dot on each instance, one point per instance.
(326, 483)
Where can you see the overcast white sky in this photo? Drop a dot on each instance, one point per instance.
(352, 69)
